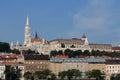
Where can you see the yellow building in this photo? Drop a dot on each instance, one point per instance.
(97, 65)
(82, 64)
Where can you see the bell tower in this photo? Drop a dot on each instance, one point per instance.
(27, 32)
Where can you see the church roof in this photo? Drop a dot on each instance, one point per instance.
(84, 36)
(68, 41)
(35, 40)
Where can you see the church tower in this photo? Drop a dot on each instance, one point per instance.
(27, 32)
(85, 39)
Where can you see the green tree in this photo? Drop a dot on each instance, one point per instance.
(88, 74)
(4, 47)
(62, 74)
(38, 74)
(70, 74)
(77, 53)
(77, 73)
(86, 53)
(118, 77)
(53, 76)
(115, 77)
(60, 52)
(29, 51)
(53, 53)
(68, 53)
(96, 73)
(28, 75)
(16, 51)
(12, 73)
(46, 73)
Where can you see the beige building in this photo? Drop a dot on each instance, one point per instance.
(34, 63)
(58, 65)
(83, 64)
(73, 44)
(101, 47)
(116, 49)
(112, 67)
(97, 65)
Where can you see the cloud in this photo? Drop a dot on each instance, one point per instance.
(94, 15)
(96, 18)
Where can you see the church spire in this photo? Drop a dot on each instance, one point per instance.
(27, 32)
(27, 22)
(36, 35)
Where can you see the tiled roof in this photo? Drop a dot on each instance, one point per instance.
(36, 57)
(77, 60)
(92, 44)
(116, 48)
(12, 63)
(35, 40)
(73, 40)
(112, 61)
(61, 56)
(101, 46)
(9, 57)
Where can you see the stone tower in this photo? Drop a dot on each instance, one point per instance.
(27, 32)
(85, 39)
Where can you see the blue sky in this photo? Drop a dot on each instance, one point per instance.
(98, 19)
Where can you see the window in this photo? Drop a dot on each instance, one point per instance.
(110, 66)
(113, 67)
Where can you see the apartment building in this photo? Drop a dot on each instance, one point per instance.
(83, 64)
(112, 67)
(36, 62)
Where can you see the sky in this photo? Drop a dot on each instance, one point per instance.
(53, 19)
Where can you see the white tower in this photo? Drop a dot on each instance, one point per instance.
(27, 32)
(85, 39)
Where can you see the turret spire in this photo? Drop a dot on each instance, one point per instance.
(27, 22)
(36, 36)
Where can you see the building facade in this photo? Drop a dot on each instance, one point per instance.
(34, 63)
(112, 67)
(83, 64)
(73, 44)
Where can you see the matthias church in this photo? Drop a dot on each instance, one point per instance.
(43, 46)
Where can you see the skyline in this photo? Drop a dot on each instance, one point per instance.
(98, 19)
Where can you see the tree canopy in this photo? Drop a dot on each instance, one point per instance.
(4, 47)
(79, 53)
(12, 73)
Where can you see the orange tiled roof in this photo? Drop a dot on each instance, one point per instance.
(35, 40)
(9, 57)
(9, 63)
(61, 56)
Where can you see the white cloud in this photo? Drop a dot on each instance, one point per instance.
(94, 15)
(97, 18)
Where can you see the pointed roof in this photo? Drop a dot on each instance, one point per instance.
(27, 21)
(36, 36)
(84, 36)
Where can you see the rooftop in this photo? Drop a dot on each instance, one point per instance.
(36, 57)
